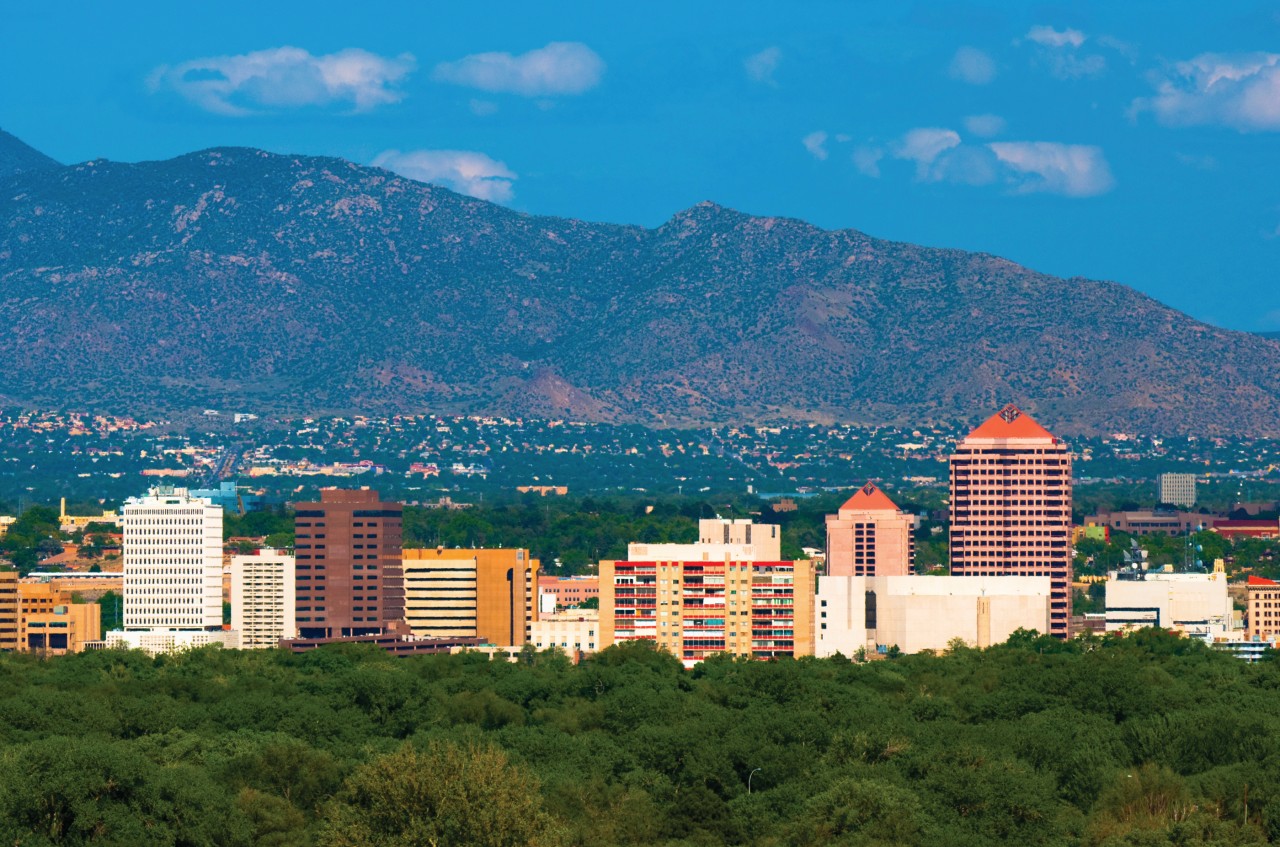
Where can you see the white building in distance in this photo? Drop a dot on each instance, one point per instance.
(172, 551)
(918, 613)
(262, 598)
(1177, 489)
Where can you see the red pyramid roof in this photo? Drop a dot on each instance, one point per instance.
(1261, 580)
(870, 498)
(1010, 422)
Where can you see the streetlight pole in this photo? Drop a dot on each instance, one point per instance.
(753, 773)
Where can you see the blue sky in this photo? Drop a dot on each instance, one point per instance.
(1138, 142)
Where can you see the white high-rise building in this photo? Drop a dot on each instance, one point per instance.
(172, 562)
(262, 598)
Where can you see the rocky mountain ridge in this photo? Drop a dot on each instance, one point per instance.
(273, 283)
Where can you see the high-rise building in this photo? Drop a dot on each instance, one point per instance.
(172, 562)
(1177, 489)
(348, 576)
(10, 611)
(870, 536)
(697, 600)
(1011, 507)
(489, 594)
(263, 599)
(51, 624)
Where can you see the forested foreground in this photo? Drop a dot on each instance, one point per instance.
(1149, 740)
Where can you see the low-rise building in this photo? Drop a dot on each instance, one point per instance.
(567, 590)
(50, 623)
(918, 613)
(1247, 529)
(1148, 522)
(1196, 604)
(157, 641)
(577, 633)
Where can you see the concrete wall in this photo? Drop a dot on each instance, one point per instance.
(917, 613)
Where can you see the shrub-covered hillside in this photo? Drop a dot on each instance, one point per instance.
(1148, 740)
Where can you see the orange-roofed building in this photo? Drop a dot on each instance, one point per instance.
(870, 536)
(1262, 613)
(1011, 507)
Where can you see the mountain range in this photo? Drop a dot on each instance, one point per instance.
(247, 280)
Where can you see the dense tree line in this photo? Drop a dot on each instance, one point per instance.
(1147, 740)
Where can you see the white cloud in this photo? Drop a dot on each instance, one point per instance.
(1050, 37)
(923, 145)
(942, 155)
(483, 107)
(559, 68)
(816, 144)
(973, 66)
(984, 126)
(761, 66)
(285, 77)
(1240, 91)
(1074, 170)
(1058, 51)
(867, 160)
(465, 171)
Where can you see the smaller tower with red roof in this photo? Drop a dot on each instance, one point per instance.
(870, 536)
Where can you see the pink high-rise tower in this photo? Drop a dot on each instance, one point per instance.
(1011, 507)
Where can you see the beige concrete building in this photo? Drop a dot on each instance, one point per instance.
(870, 536)
(490, 594)
(918, 613)
(72, 523)
(1192, 603)
(1011, 507)
(51, 624)
(576, 633)
(763, 541)
(1262, 615)
(262, 596)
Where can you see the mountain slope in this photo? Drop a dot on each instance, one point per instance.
(16, 156)
(235, 277)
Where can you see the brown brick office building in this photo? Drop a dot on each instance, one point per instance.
(349, 576)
